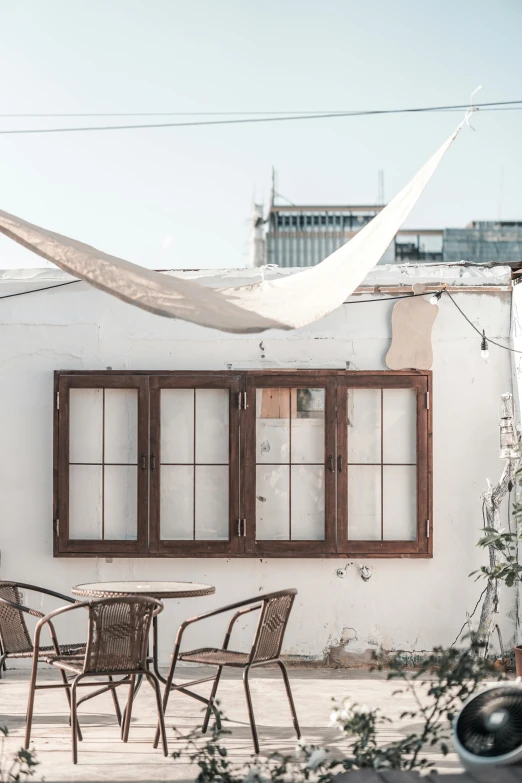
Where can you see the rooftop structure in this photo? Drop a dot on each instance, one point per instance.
(301, 236)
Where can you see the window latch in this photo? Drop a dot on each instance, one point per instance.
(340, 463)
(242, 401)
(331, 463)
(241, 528)
(143, 462)
(153, 462)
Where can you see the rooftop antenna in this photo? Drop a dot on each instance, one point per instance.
(380, 192)
(273, 188)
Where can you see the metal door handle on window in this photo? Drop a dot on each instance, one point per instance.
(340, 463)
(143, 462)
(153, 462)
(331, 463)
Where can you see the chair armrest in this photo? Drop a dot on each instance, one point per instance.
(47, 620)
(247, 603)
(21, 608)
(46, 591)
(237, 615)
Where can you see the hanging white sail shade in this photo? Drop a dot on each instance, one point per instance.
(286, 303)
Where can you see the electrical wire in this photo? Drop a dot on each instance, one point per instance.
(480, 332)
(273, 118)
(289, 112)
(347, 302)
(37, 290)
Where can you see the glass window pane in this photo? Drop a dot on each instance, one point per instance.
(399, 425)
(177, 425)
(364, 502)
(400, 502)
(85, 425)
(272, 503)
(307, 502)
(177, 502)
(121, 425)
(212, 436)
(121, 503)
(307, 423)
(85, 502)
(364, 425)
(212, 517)
(272, 425)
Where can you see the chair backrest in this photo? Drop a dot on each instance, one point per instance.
(118, 633)
(14, 635)
(272, 625)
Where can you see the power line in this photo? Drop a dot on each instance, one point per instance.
(225, 113)
(480, 332)
(495, 105)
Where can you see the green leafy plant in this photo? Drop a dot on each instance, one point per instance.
(506, 569)
(18, 767)
(438, 688)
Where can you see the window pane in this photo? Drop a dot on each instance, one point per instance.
(177, 502)
(85, 425)
(307, 423)
(272, 425)
(400, 425)
(121, 503)
(364, 502)
(307, 502)
(272, 503)
(400, 502)
(212, 408)
(212, 518)
(121, 425)
(85, 502)
(364, 425)
(177, 425)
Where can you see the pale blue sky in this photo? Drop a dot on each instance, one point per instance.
(126, 191)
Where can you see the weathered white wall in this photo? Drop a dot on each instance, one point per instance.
(407, 604)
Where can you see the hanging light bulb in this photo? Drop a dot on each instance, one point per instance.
(484, 352)
(435, 298)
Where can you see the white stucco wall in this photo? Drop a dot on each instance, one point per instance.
(407, 604)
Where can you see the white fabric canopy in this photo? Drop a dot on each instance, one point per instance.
(286, 303)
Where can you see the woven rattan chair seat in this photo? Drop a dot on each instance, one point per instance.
(70, 663)
(43, 652)
(216, 657)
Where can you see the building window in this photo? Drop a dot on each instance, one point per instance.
(275, 464)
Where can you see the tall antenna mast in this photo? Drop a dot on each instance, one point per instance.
(380, 192)
(273, 188)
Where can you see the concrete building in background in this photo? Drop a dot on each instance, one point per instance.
(301, 236)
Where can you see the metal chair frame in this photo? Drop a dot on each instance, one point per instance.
(72, 664)
(43, 653)
(261, 604)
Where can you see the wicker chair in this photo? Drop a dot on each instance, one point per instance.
(274, 611)
(15, 640)
(117, 644)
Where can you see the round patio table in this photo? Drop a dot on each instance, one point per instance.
(154, 589)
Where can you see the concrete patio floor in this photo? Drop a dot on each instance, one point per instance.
(103, 757)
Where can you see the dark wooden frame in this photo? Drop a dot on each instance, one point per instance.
(198, 548)
(242, 385)
(293, 548)
(63, 545)
(423, 545)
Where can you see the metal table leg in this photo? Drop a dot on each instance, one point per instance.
(179, 688)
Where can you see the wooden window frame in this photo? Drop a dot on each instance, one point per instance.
(242, 461)
(194, 548)
(63, 545)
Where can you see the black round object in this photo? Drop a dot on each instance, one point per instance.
(490, 725)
